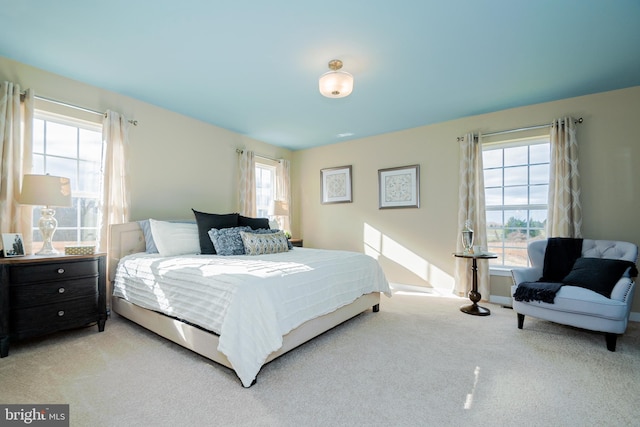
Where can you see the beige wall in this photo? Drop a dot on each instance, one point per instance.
(176, 163)
(415, 245)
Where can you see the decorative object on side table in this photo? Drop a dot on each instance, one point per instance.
(41, 295)
(474, 295)
(399, 187)
(12, 245)
(467, 237)
(48, 191)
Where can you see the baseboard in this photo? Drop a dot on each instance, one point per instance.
(497, 299)
(506, 302)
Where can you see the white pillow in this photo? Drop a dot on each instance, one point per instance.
(175, 238)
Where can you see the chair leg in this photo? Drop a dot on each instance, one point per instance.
(520, 320)
(611, 341)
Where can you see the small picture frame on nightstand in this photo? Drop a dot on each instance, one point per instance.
(12, 244)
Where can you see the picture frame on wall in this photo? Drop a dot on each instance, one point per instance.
(335, 185)
(12, 244)
(399, 187)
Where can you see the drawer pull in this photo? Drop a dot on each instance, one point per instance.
(61, 313)
(61, 291)
(61, 271)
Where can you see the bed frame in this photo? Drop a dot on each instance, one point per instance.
(128, 238)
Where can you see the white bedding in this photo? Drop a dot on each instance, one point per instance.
(250, 301)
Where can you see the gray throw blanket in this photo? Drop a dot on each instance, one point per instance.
(559, 257)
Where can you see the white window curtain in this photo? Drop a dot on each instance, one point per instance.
(564, 216)
(283, 190)
(115, 178)
(247, 189)
(16, 152)
(471, 207)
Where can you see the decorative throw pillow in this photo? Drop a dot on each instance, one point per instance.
(207, 221)
(598, 274)
(227, 241)
(175, 238)
(260, 244)
(254, 223)
(150, 245)
(271, 231)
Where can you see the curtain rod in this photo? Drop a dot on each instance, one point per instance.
(239, 151)
(66, 104)
(501, 132)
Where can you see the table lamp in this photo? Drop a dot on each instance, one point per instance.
(47, 191)
(280, 208)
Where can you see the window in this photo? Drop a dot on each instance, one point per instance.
(516, 180)
(265, 189)
(73, 148)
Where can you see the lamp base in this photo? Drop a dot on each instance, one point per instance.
(47, 225)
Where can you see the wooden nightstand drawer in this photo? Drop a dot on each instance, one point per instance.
(41, 295)
(47, 293)
(44, 272)
(34, 321)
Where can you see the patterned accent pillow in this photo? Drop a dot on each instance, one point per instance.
(260, 244)
(271, 231)
(227, 241)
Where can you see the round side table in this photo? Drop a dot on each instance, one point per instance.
(474, 295)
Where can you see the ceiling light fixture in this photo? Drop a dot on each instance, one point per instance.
(336, 83)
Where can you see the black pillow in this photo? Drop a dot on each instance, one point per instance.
(207, 221)
(598, 274)
(254, 223)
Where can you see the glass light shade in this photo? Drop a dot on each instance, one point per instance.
(46, 191)
(336, 84)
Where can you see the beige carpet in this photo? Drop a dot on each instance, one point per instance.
(418, 362)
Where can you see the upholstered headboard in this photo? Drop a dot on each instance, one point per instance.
(124, 239)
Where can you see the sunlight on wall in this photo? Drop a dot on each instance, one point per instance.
(377, 244)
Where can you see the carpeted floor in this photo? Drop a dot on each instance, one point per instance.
(418, 362)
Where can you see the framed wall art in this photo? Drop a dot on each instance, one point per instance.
(12, 244)
(335, 185)
(399, 187)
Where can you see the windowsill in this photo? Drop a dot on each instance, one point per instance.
(500, 271)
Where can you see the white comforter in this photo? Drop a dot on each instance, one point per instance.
(250, 301)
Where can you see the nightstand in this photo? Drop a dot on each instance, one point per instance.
(296, 242)
(41, 295)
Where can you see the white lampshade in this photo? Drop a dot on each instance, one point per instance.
(45, 190)
(280, 208)
(336, 83)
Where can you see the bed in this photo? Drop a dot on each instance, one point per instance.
(270, 303)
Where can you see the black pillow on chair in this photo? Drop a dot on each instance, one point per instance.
(207, 221)
(598, 274)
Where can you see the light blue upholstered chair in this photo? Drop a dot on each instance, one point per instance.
(577, 306)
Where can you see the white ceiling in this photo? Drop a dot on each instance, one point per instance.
(252, 66)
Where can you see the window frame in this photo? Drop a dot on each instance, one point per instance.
(81, 122)
(502, 246)
(271, 167)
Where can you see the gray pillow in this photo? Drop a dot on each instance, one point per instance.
(227, 241)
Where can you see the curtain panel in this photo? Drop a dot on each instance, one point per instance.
(115, 202)
(283, 190)
(471, 207)
(564, 216)
(247, 168)
(16, 154)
